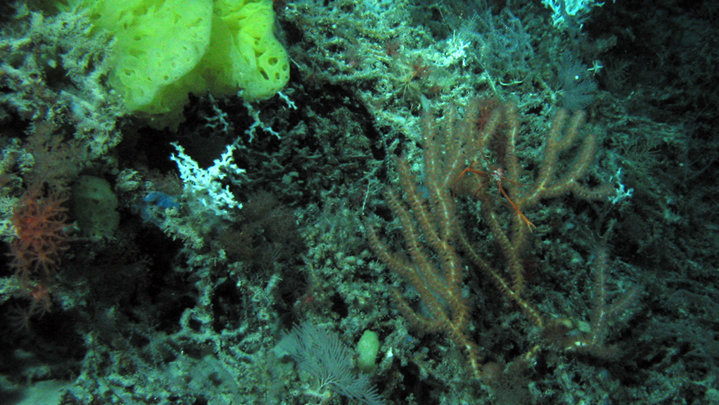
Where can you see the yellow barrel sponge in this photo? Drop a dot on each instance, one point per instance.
(244, 52)
(165, 49)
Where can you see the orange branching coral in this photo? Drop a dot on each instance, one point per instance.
(41, 226)
(438, 252)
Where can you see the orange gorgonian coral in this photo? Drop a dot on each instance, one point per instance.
(41, 226)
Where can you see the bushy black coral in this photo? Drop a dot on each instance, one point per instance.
(329, 361)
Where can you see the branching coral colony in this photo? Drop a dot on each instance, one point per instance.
(41, 227)
(476, 154)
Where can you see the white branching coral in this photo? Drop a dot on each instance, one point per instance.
(203, 190)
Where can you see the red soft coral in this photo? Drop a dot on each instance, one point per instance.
(41, 226)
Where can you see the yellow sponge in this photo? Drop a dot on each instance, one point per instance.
(245, 53)
(165, 49)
